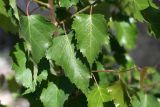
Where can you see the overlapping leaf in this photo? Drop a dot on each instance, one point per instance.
(68, 3)
(98, 96)
(152, 16)
(91, 32)
(23, 75)
(42, 76)
(125, 33)
(6, 23)
(52, 96)
(117, 95)
(145, 100)
(35, 30)
(138, 6)
(62, 52)
(14, 7)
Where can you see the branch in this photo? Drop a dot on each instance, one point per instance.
(94, 78)
(64, 28)
(104, 71)
(27, 7)
(51, 11)
(82, 10)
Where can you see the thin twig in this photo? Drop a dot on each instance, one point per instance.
(90, 12)
(51, 11)
(41, 3)
(27, 7)
(82, 10)
(104, 70)
(64, 28)
(113, 70)
(95, 79)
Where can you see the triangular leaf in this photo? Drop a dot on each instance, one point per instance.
(42, 76)
(62, 52)
(138, 6)
(67, 3)
(126, 33)
(6, 19)
(20, 68)
(14, 7)
(145, 100)
(117, 95)
(52, 96)
(97, 96)
(37, 31)
(152, 16)
(91, 32)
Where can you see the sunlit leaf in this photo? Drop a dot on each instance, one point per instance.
(91, 33)
(42, 76)
(117, 94)
(68, 3)
(125, 33)
(23, 75)
(62, 52)
(52, 96)
(97, 96)
(5, 19)
(14, 7)
(38, 32)
(138, 6)
(145, 100)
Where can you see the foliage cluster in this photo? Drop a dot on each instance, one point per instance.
(76, 55)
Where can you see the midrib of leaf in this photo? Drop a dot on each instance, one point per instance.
(90, 44)
(100, 93)
(29, 29)
(57, 96)
(145, 101)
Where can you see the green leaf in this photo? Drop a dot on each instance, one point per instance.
(68, 3)
(6, 23)
(42, 76)
(37, 32)
(97, 96)
(62, 52)
(52, 96)
(145, 100)
(152, 16)
(126, 33)
(117, 95)
(91, 32)
(14, 7)
(140, 5)
(22, 74)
